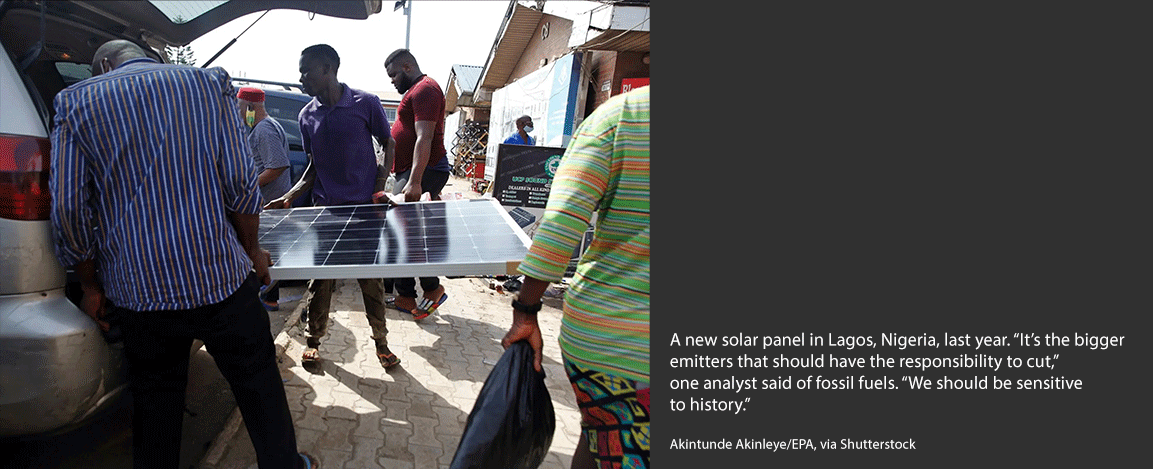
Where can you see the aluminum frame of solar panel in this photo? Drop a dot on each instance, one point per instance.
(422, 239)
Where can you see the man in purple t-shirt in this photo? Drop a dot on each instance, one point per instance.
(337, 129)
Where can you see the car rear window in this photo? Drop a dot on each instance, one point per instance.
(285, 111)
(71, 72)
(184, 11)
(283, 108)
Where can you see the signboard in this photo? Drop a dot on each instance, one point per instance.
(562, 102)
(522, 185)
(523, 179)
(524, 174)
(550, 95)
(629, 84)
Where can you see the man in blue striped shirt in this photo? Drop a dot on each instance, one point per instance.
(156, 207)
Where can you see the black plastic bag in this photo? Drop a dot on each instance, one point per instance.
(512, 422)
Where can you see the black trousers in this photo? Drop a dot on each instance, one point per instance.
(432, 182)
(236, 332)
(407, 286)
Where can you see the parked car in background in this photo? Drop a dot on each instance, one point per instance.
(283, 101)
(56, 370)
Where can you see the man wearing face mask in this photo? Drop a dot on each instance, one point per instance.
(268, 143)
(269, 146)
(523, 129)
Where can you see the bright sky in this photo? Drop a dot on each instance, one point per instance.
(443, 33)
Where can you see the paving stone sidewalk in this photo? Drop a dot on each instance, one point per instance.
(351, 413)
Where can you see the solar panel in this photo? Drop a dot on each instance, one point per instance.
(440, 238)
(523, 217)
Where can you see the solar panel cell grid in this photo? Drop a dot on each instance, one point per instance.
(456, 237)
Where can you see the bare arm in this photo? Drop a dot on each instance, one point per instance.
(389, 154)
(384, 166)
(524, 325)
(301, 186)
(420, 157)
(269, 175)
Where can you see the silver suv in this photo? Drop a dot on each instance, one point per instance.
(56, 369)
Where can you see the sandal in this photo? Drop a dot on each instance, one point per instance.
(309, 461)
(388, 360)
(392, 304)
(311, 354)
(426, 307)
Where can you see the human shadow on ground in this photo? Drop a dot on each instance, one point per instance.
(487, 338)
(377, 421)
(393, 417)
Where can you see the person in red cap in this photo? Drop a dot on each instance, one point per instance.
(268, 145)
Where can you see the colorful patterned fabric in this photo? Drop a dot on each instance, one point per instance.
(146, 161)
(604, 170)
(614, 418)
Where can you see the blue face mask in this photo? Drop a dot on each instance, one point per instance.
(528, 129)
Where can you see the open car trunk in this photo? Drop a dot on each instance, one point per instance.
(56, 40)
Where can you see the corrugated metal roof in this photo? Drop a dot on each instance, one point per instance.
(516, 32)
(620, 41)
(620, 27)
(462, 84)
(467, 76)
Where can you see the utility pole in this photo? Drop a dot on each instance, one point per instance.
(407, 5)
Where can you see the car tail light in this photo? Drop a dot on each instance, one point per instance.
(24, 191)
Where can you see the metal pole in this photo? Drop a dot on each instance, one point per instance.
(408, 24)
(233, 41)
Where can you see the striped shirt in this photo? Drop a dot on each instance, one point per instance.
(146, 161)
(605, 169)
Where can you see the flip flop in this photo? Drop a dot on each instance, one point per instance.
(426, 307)
(388, 360)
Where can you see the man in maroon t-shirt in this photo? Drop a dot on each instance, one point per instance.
(420, 163)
